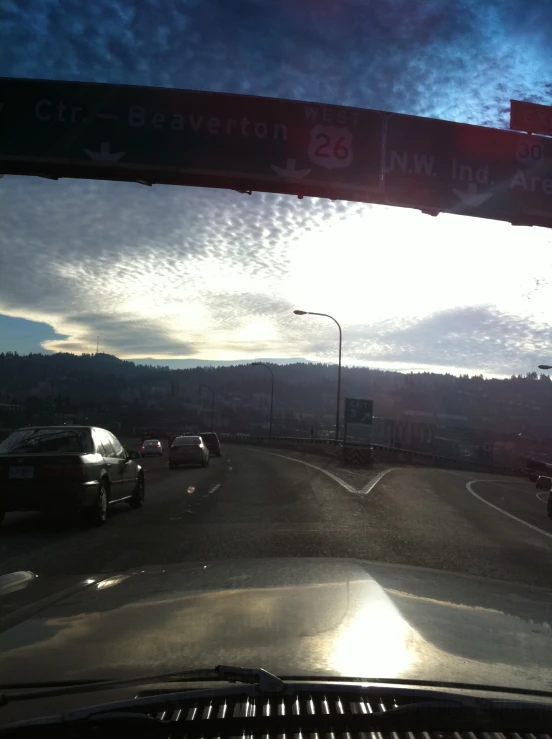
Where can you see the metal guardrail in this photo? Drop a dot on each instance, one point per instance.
(406, 456)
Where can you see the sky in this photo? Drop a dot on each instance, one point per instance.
(178, 274)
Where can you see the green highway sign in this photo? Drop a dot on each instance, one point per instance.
(186, 137)
(359, 410)
(155, 135)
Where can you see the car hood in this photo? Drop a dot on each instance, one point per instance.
(306, 617)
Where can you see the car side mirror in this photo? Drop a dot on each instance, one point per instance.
(132, 454)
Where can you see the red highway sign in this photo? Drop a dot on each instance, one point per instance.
(531, 117)
(185, 137)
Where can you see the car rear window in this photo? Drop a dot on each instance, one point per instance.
(151, 441)
(185, 440)
(209, 436)
(47, 440)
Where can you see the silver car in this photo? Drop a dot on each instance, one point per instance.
(151, 447)
(188, 450)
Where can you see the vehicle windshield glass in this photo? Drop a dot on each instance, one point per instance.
(321, 229)
(46, 440)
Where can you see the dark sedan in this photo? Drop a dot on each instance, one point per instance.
(211, 441)
(188, 450)
(68, 469)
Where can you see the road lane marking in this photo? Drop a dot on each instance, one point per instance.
(214, 489)
(364, 491)
(501, 510)
(372, 484)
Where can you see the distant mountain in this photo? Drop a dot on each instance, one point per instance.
(192, 363)
(101, 387)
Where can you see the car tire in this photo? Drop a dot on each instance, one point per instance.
(549, 506)
(97, 514)
(137, 500)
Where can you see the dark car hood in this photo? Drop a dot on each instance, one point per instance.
(307, 617)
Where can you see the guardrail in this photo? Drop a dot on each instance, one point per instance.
(379, 453)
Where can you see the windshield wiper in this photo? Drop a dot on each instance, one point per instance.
(266, 682)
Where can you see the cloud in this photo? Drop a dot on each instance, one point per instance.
(173, 272)
(479, 337)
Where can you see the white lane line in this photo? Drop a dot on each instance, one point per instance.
(372, 484)
(501, 510)
(214, 489)
(364, 491)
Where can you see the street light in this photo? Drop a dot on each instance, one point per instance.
(261, 364)
(312, 313)
(207, 387)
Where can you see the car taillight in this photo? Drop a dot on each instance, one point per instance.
(67, 471)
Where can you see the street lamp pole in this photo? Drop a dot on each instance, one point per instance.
(261, 364)
(326, 315)
(207, 387)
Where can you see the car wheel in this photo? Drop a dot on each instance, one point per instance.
(137, 500)
(549, 506)
(97, 515)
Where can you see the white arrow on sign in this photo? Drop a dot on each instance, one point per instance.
(471, 197)
(105, 154)
(366, 417)
(290, 172)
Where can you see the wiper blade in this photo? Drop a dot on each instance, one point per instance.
(266, 681)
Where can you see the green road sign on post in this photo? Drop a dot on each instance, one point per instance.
(357, 410)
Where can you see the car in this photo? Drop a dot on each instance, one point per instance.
(433, 641)
(211, 441)
(188, 450)
(151, 447)
(544, 483)
(72, 470)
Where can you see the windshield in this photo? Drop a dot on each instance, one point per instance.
(321, 229)
(187, 440)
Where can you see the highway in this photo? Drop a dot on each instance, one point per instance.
(256, 503)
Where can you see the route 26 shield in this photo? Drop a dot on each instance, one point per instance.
(331, 146)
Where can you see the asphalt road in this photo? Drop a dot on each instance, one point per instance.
(251, 503)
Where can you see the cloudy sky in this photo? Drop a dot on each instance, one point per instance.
(172, 273)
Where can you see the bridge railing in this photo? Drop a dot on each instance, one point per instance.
(371, 453)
